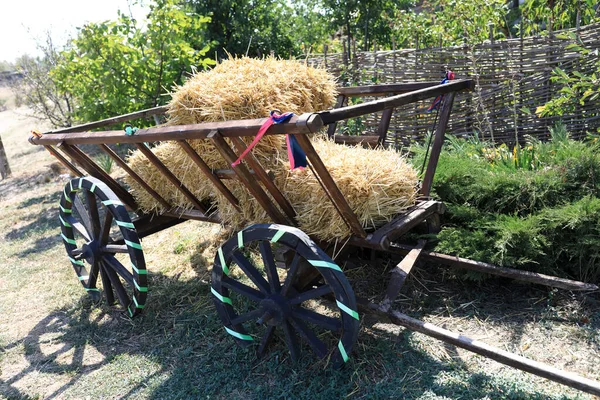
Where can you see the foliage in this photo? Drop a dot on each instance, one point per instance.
(577, 87)
(255, 28)
(121, 66)
(450, 22)
(502, 210)
(38, 91)
(560, 14)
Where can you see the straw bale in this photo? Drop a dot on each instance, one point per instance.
(377, 183)
(236, 89)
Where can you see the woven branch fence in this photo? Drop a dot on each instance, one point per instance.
(512, 77)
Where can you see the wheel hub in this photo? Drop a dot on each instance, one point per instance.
(91, 251)
(275, 309)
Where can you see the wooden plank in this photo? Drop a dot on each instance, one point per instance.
(111, 121)
(171, 177)
(393, 101)
(525, 276)
(306, 123)
(382, 90)
(134, 175)
(438, 142)
(209, 173)
(504, 357)
(399, 275)
(97, 172)
(329, 184)
(332, 127)
(192, 214)
(384, 125)
(64, 161)
(405, 222)
(246, 179)
(266, 180)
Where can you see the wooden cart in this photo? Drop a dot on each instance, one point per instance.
(288, 282)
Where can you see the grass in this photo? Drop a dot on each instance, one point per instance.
(56, 343)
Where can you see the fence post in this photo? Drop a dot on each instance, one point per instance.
(493, 83)
(4, 167)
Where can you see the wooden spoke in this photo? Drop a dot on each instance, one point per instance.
(251, 271)
(270, 267)
(291, 341)
(266, 339)
(76, 253)
(83, 214)
(242, 289)
(292, 272)
(314, 342)
(240, 319)
(116, 284)
(111, 262)
(105, 231)
(93, 213)
(329, 323)
(79, 228)
(311, 294)
(94, 271)
(108, 289)
(115, 248)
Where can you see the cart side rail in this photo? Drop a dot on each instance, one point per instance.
(250, 173)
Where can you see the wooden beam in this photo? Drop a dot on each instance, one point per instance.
(64, 161)
(97, 172)
(134, 175)
(209, 173)
(332, 127)
(526, 276)
(405, 222)
(384, 125)
(504, 357)
(171, 177)
(111, 121)
(246, 179)
(399, 275)
(338, 199)
(281, 200)
(302, 124)
(438, 142)
(382, 90)
(393, 101)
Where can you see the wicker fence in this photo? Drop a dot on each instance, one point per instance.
(513, 79)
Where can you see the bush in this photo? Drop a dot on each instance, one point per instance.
(544, 219)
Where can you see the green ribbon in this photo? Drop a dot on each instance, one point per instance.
(277, 236)
(347, 310)
(218, 295)
(324, 264)
(238, 335)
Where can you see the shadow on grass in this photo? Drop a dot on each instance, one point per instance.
(43, 224)
(178, 349)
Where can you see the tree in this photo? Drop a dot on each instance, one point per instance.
(253, 27)
(121, 66)
(38, 91)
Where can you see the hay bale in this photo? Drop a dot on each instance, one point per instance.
(238, 88)
(377, 183)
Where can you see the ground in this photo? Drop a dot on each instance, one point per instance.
(56, 343)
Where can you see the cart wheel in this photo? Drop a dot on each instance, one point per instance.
(102, 241)
(307, 295)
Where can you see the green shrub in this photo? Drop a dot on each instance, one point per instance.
(543, 219)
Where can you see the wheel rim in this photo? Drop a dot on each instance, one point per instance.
(306, 299)
(102, 243)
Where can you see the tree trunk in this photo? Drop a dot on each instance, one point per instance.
(4, 167)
